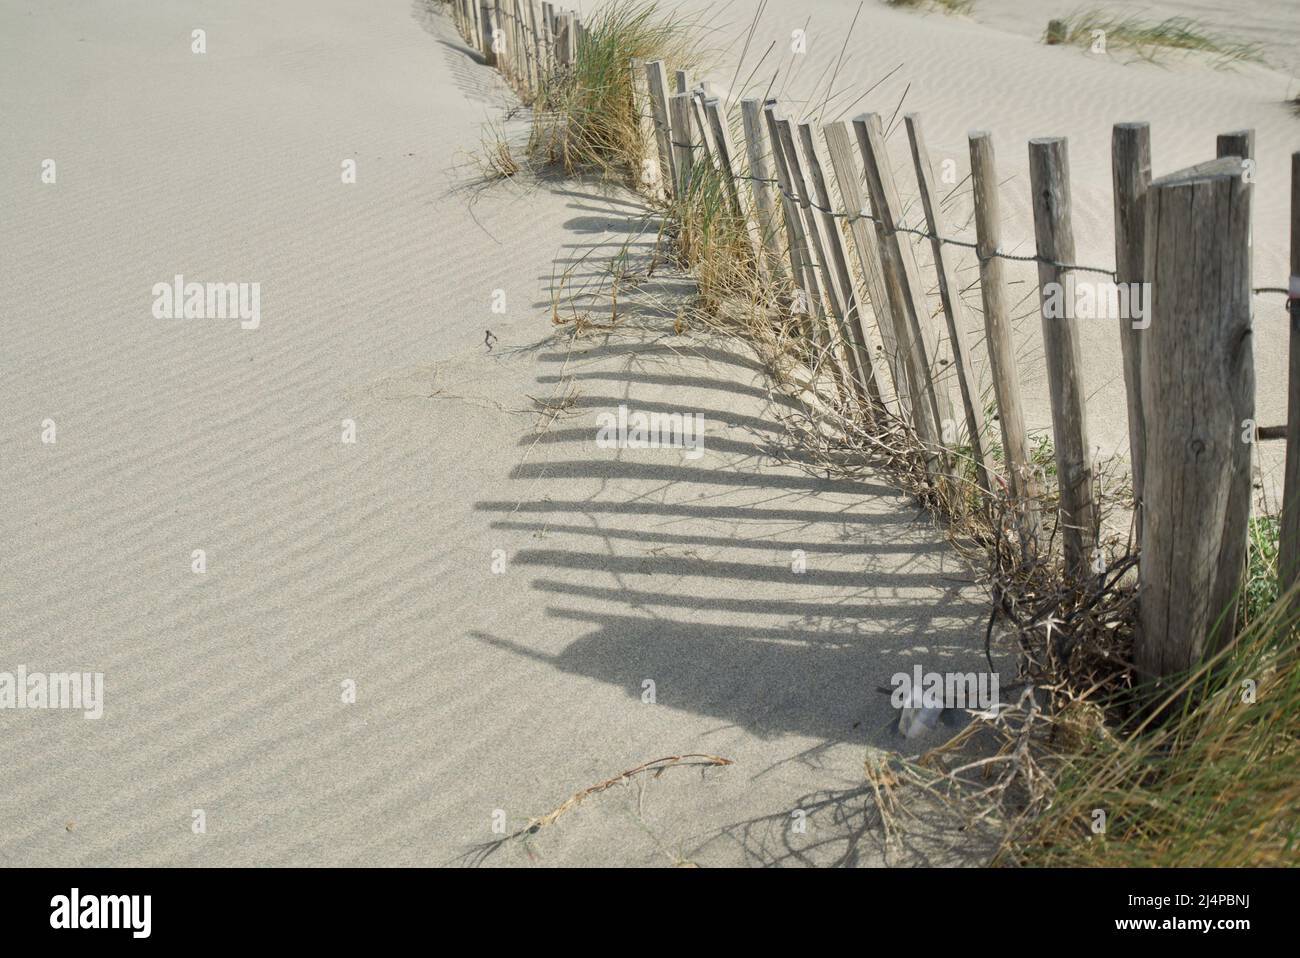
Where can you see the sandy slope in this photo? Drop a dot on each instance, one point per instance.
(989, 71)
(370, 562)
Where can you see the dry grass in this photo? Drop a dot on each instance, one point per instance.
(944, 6)
(584, 119)
(1149, 39)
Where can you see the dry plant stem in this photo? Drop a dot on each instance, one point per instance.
(657, 766)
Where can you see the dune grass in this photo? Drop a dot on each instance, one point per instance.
(583, 116)
(1209, 779)
(1147, 38)
(945, 6)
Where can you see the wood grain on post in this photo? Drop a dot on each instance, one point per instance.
(728, 164)
(548, 38)
(1025, 487)
(867, 245)
(490, 33)
(1241, 145)
(535, 44)
(932, 407)
(522, 47)
(804, 273)
(681, 127)
(657, 86)
(1049, 179)
(703, 131)
(830, 284)
(856, 344)
(760, 175)
(1131, 174)
(682, 81)
(505, 56)
(1288, 564)
(1198, 384)
(568, 39)
(954, 310)
(651, 176)
(721, 139)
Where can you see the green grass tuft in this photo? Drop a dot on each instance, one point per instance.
(1149, 39)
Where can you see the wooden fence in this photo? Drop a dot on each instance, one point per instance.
(1184, 239)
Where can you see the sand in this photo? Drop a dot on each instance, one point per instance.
(370, 563)
(479, 696)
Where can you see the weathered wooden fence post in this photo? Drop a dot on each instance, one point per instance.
(548, 38)
(1288, 564)
(728, 162)
(1198, 385)
(1241, 145)
(760, 176)
(851, 330)
(657, 87)
(1131, 175)
(679, 117)
(831, 331)
(1049, 178)
(650, 172)
(866, 243)
(932, 410)
(1024, 484)
(808, 299)
(953, 309)
(490, 33)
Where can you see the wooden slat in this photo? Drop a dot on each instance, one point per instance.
(650, 175)
(932, 406)
(765, 205)
(1049, 178)
(682, 128)
(828, 330)
(850, 327)
(867, 245)
(802, 268)
(657, 85)
(1198, 386)
(1131, 174)
(1289, 550)
(1021, 476)
(954, 310)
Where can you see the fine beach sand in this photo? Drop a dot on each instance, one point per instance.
(372, 562)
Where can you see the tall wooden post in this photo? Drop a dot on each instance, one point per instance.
(1049, 178)
(954, 310)
(760, 177)
(1131, 174)
(1288, 564)
(1198, 385)
(1023, 480)
(932, 405)
(866, 243)
(657, 88)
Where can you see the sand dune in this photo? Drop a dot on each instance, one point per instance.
(329, 562)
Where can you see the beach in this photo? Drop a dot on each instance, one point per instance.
(364, 583)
